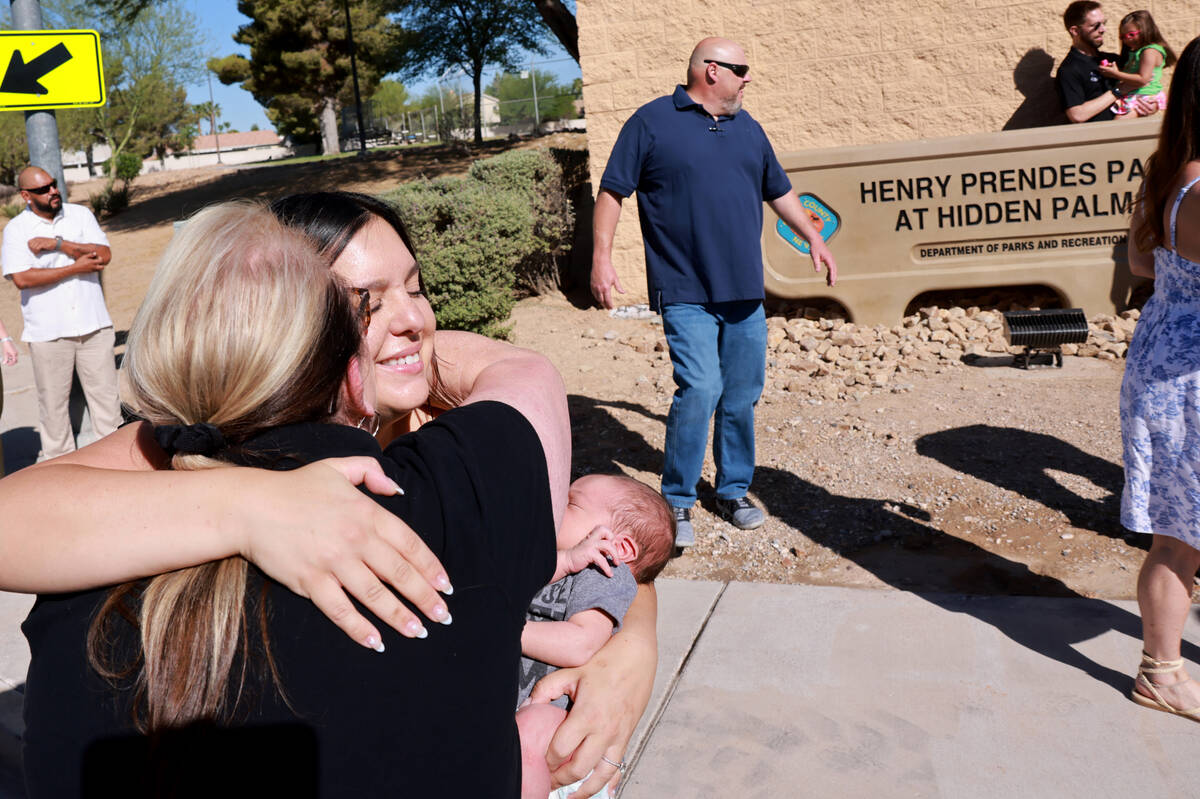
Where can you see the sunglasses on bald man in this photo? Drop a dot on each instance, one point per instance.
(737, 69)
(43, 189)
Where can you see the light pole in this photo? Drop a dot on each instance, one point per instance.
(537, 118)
(362, 134)
(212, 117)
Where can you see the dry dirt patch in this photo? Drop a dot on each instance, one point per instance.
(966, 479)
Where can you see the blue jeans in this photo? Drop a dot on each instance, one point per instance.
(719, 354)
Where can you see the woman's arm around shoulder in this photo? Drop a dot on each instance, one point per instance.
(473, 368)
(104, 515)
(610, 692)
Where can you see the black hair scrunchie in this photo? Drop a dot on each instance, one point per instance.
(189, 439)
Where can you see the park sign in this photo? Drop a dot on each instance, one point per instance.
(50, 69)
(1045, 206)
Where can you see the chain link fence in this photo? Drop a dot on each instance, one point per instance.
(452, 117)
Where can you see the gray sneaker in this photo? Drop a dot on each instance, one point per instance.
(685, 534)
(741, 512)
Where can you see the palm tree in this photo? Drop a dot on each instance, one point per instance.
(210, 111)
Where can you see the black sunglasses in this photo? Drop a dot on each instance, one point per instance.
(737, 69)
(43, 189)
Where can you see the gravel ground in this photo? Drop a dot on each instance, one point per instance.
(965, 475)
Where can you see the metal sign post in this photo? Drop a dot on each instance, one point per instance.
(31, 67)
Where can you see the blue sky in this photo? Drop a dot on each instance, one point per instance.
(220, 20)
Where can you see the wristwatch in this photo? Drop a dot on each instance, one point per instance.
(58, 243)
(1116, 90)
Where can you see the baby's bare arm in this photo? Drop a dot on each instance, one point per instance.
(567, 643)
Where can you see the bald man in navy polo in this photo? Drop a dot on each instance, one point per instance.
(702, 169)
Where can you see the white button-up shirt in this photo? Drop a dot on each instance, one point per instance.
(70, 307)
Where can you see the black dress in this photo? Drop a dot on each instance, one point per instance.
(427, 718)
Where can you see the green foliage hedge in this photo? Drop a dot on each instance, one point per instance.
(129, 166)
(537, 176)
(483, 237)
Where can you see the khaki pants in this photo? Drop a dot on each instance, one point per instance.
(54, 364)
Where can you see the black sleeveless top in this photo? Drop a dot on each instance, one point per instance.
(425, 718)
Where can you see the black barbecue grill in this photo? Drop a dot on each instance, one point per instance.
(1042, 334)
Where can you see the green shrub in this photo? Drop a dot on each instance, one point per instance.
(129, 166)
(12, 209)
(524, 170)
(468, 238)
(537, 177)
(482, 237)
(110, 200)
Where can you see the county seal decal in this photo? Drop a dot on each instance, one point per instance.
(824, 219)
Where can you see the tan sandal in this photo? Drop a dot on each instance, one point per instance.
(1155, 701)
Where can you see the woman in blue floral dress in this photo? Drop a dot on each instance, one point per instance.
(1160, 397)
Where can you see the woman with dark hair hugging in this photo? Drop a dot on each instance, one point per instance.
(248, 350)
(112, 512)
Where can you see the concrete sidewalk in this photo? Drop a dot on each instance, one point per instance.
(782, 691)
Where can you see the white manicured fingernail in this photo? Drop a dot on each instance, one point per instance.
(417, 630)
(373, 642)
(442, 583)
(398, 490)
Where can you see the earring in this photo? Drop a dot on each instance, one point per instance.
(374, 420)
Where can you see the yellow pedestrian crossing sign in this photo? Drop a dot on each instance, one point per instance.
(50, 69)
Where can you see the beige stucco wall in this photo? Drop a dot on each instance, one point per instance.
(831, 72)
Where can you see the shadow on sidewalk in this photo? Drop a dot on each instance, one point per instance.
(1022, 462)
(894, 542)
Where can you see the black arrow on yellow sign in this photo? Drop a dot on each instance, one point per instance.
(22, 78)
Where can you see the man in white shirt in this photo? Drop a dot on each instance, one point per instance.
(53, 252)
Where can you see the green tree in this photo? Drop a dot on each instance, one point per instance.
(147, 65)
(188, 132)
(391, 100)
(167, 124)
(299, 65)
(14, 152)
(555, 13)
(561, 22)
(77, 132)
(471, 34)
(515, 94)
(210, 112)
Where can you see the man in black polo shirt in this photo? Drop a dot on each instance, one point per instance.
(1087, 96)
(702, 169)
